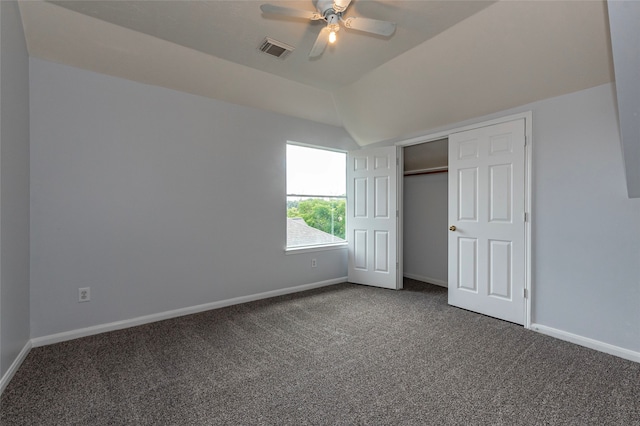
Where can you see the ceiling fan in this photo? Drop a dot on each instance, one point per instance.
(332, 12)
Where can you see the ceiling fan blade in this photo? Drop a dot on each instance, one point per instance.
(341, 5)
(288, 11)
(373, 26)
(321, 43)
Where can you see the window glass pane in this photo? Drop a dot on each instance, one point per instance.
(315, 171)
(315, 221)
(316, 196)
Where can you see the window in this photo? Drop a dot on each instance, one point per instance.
(316, 196)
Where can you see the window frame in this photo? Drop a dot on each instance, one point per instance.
(316, 247)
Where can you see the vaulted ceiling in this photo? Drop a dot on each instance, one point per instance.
(447, 61)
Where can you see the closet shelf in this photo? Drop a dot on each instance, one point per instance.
(428, 171)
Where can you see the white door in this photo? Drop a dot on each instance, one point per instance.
(372, 217)
(487, 220)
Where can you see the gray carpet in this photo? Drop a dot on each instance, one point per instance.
(343, 354)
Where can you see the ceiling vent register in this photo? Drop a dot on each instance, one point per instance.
(275, 48)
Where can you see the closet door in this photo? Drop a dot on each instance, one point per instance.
(372, 217)
(486, 218)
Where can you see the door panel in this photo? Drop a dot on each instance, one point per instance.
(360, 198)
(500, 193)
(468, 264)
(381, 248)
(486, 206)
(381, 197)
(467, 194)
(360, 249)
(371, 217)
(500, 269)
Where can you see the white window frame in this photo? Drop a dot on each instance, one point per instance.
(318, 247)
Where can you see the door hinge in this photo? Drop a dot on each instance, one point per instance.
(524, 293)
(397, 161)
(525, 141)
(524, 216)
(397, 265)
(397, 213)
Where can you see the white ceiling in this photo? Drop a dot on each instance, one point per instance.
(447, 61)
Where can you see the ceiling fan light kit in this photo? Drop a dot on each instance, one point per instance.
(331, 11)
(334, 27)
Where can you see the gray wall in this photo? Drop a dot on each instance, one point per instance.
(156, 199)
(586, 233)
(624, 22)
(160, 200)
(425, 227)
(14, 186)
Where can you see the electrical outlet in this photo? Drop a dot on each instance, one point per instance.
(84, 294)
(314, 263)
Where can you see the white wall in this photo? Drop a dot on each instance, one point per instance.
(156, 199)
(14, 187)
(425, 227)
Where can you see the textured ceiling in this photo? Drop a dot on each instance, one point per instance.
(448, 61)
(232, 30)
(507, 55)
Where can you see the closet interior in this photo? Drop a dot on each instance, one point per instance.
(425, 229)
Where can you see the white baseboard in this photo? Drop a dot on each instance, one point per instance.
(6, 378)
(587, 342)
(426, 279)
(118, 325)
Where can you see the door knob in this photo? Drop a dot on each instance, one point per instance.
(452, 228)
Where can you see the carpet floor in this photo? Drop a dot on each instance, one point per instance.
(344, 354)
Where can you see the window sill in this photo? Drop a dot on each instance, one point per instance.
(311, 249)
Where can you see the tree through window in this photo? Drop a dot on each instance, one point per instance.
(316, 196)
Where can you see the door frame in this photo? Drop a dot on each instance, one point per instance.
(528, 201)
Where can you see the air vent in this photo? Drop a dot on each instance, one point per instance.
(275, 48)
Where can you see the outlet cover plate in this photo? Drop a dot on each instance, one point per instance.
(84, 294)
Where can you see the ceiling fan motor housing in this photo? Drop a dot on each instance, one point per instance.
(326, 8)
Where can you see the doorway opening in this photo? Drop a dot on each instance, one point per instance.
(425, 207)
(488, 210)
